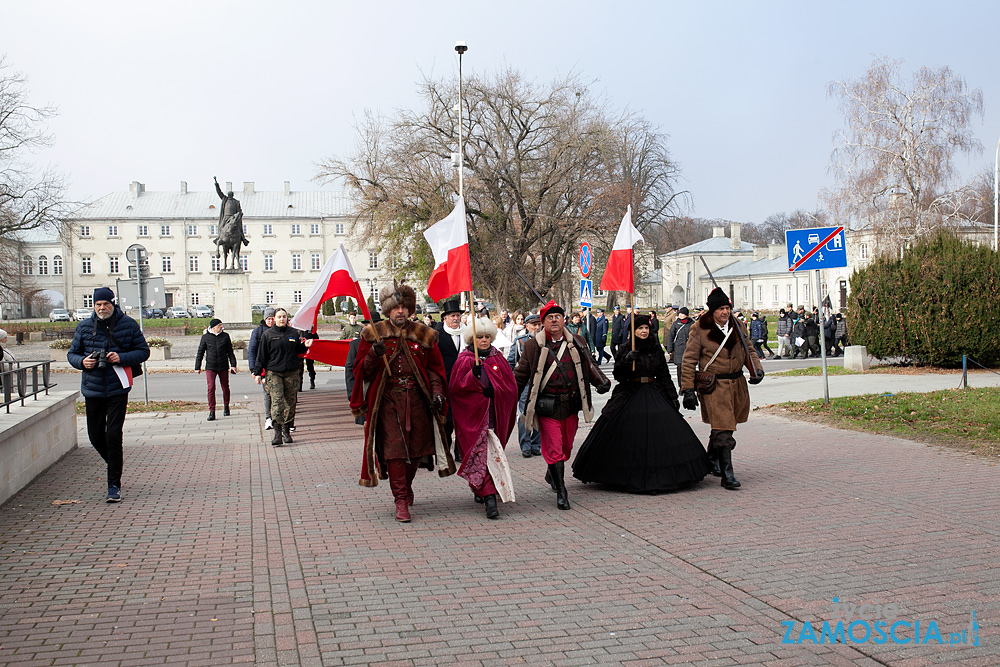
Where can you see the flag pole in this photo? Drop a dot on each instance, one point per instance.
(475, 349)
(631, 297)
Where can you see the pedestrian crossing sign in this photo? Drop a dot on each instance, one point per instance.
(586, 293)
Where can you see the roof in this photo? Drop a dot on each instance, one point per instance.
(173, 205)
(716, 244)
(749, 267)
(653, 278)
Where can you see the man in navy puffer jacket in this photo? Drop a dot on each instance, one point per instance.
(111, 336)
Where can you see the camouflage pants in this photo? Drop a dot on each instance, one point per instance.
(283, 388)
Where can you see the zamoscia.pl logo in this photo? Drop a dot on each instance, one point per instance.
(876, 624)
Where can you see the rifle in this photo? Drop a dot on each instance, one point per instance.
(733, 322)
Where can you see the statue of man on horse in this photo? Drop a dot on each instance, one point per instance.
(231, 237)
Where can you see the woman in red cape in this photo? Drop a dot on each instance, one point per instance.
(484, 405)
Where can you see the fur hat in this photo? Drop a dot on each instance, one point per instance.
(397, 294)
(641, 321)
(104, 294)
(551, 307)
(483, 325)
(717, 299)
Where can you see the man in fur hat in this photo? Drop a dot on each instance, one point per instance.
(557, 368)
(401, 388)
(713, 346)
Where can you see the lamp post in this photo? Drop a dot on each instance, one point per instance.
(460, 48)
(996, 196)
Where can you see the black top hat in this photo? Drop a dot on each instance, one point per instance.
(451, 306)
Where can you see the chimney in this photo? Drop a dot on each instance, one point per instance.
(775, 250)
(184, 187)
(759, 252)
(718, 232)
(229, 186)
(247, 187)
(288, 188)
(734, 236)
(136, 188)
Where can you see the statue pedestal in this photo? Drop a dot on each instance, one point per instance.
(232, 297)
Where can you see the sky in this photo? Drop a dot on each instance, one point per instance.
(261, 91)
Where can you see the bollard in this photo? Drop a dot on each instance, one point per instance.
(856, 358)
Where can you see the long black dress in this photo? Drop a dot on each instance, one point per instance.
(641, 442)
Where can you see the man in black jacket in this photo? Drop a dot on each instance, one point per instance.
(617, 326)
(266, 323)
(450, 344)
(677, 338)
(216, 348)
(278, 364)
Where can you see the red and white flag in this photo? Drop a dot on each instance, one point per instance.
(338, 279)
(449, 241)
(618, 273)
(124, 374)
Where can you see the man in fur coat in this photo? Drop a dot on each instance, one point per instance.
(728, 403)
(401, 387)
(557, 368)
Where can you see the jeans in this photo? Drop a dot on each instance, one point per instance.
(223, 381)
(529, 439)
(105, 420)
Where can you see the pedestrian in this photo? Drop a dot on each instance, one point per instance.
(601, 337)
(484, 399)
(3, 340)
(266, 322)
(310, 364)
(449, 343)
(677, 338)
(811, 334)
(590, 323)
(669, 318)
(216, 348)
(352, 329)
(559, 372)
(278, 367)
(617, 326)
(515, 328)
(784, 331)
(714, 349)
(842, 338)
(108, 347)
(577, 327)
(528, 437)
(654, 325)
(641, 442)
(799, 348)
(830, 334)
(401, 387)
(758, 335)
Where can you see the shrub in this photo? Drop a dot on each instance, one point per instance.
(154, 341)
(331, 306)
(239, 344)
(930, 307)
(61, 343)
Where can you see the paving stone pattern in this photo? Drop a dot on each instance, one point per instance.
(226, 550)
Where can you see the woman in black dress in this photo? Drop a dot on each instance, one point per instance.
(641, 442)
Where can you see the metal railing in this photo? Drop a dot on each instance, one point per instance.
(21, 380)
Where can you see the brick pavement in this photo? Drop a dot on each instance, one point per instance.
(227, 550)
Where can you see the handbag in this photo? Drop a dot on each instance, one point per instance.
(704, 383)
(545, 404)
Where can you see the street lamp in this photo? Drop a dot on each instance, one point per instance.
(460, 48)
(996, 196)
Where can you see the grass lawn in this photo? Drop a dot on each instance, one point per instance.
(816, 370)
(154, 406)
(965, 419)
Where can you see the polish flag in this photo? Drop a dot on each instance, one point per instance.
(338, 279)
(618, 273)
(124, 374)
(449, 241)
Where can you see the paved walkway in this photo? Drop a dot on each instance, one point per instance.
(228, 550)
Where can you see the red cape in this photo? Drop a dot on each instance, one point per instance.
(469, 406)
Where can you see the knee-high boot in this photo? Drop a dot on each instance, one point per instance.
(557, 471)
(397, 483)
(729, 480)
(713, 459)
(411, 472)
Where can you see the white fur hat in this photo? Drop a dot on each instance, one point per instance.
(483, 325)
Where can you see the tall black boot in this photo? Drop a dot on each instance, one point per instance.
(729, 480)
(276, 439)
(286, 434)
(551, 482)
(558, 471)
(713, 458)
(491, 507)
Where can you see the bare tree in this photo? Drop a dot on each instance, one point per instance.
(546, 168)
(894, 158)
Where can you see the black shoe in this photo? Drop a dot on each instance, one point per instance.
(276, 439)
(536, 452)
(491, 507)
(312, 384)
(114, 493)
(729, 480)
(225, 411)
(776, 357)
(557, 471)
(478, 499)
(526, 455)
(286, 433)
(211, 416)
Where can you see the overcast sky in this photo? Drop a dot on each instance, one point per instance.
(260, 91)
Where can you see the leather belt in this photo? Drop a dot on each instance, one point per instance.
(643, 380)
(729, 376)
(405, 382)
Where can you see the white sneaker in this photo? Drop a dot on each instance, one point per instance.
(267, 424)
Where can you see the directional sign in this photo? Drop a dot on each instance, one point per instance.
(143, 271)
(586, 293)
(816, 248)
(586, 261)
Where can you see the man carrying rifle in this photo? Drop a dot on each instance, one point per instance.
(718, 346)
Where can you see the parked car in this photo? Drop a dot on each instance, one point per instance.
(81, 314)
(202, 311)
(176, 311)
(431, 308)
(257, 311)
(152, 313)
(59, 315)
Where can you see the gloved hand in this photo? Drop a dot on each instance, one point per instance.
(758, 377)
(437, 402)
(604, 388)
(631, 355)
(690, 399)
(676, 403)
(379, 348)
(488, 391)
(477, 371)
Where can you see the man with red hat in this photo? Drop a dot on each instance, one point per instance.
(713, 347)
(557, 368)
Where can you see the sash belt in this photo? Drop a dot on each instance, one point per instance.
(729, 376)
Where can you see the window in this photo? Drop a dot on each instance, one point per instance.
(245, 231)
(85, 266)
(864, 251)
(372, 260)
(268, 229)
(166, 265)
(244, 263)
(760, 293)
(88, 300)
(57, 265)
(269, 263)
(296, 261)
(113, 265)
(373, 290)
(775, 294)
(790, 294)
(192, 230)
(296, 229)
(164, 230)
(27, 265)
(269, 297)
(315, 261)
(194, 299)
(193, 264)
(143, 230)
(214, 230)
(43, 265)
(806, 297)
(338, 229)
(112, 230)
(314, 229)
(84, 230)
(744, 294)
(297, 296)
(217, 263)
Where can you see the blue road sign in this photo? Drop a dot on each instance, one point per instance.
(585, 260)
(586, 293)
(816, 248)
